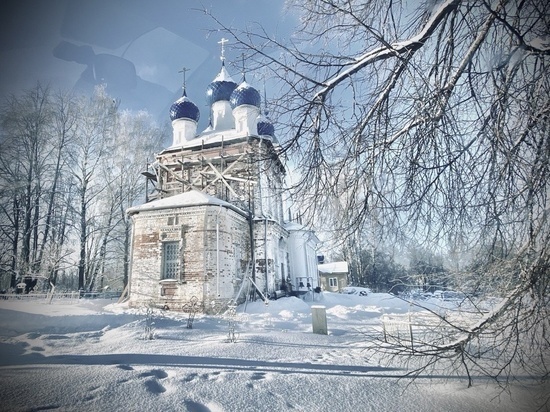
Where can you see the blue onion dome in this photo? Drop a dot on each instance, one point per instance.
(220, 88)
(245, 94)
(265, 127)
(183, 108)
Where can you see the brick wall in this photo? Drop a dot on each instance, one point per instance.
(214, 248)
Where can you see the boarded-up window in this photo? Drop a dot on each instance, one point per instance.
(170, 259)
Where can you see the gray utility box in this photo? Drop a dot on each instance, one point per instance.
(319, 320)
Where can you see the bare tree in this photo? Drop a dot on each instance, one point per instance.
(27, 140)
(63, 129)
(97, 120)
(126, 156)
(137, 138)
(69, 168)
(25, 123)
(433, 121)
(11, 198)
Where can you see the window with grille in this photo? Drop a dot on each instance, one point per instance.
(170, 259)
(172, 220)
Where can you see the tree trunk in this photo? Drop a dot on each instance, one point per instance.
(35, 226)
(27, 230)
(83, 238)
(99, 267)
(51, 201)
(15, 242)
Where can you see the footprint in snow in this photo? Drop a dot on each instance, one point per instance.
(192, 406)
(256, 376)
(154, 386)
(157, 373)
(190, 377)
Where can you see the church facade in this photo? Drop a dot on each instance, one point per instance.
(213, 230)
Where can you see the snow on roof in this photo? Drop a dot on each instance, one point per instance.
(211, 136)
(207, 137)
(333, 267)
(187, 199)
(223, 76)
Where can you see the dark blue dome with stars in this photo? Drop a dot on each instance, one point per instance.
(183, 108)
(221, 88)
(265, 127)
(245, 94)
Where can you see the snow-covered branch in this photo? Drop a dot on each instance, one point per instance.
(397, 49)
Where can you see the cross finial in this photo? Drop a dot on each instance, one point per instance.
(222, 42)
(184, 70)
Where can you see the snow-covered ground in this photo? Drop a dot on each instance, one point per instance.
(91, 355)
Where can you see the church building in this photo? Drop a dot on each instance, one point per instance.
(213, 228)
